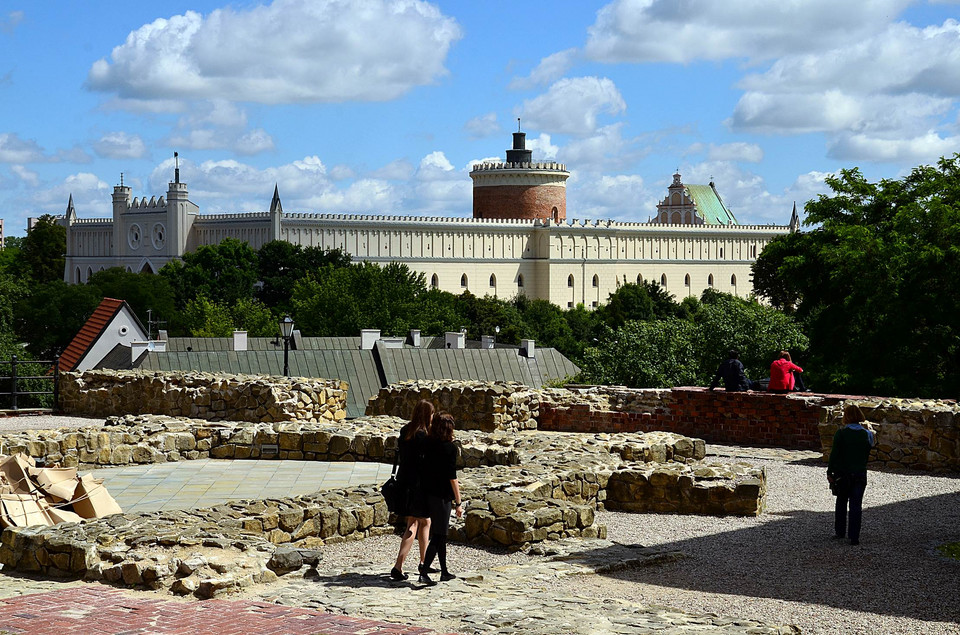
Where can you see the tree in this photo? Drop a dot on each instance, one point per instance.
(42, 250)
(223, 273)
(281, 264)
(204, 318)
(53, 313)
(142, 291)
(651, 354)
(876, 283)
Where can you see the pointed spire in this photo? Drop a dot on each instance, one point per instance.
(71, 212)
(275, 206)
(794, 219)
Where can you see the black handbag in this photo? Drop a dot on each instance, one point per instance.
(394, 493)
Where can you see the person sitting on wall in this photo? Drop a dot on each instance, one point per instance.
(781, 374)
(732, 373)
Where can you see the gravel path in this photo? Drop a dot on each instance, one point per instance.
(46, 422)
(782, 567)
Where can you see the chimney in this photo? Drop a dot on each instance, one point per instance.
(455, 339)
(486, 341)
(368, 337)
(162, 335)
(528, 348)
(239, 340)
(137, 349)
(414, 338)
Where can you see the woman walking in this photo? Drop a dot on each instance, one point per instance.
(411, 448)
(443, 491)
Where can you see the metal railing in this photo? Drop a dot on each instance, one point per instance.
(22, 385)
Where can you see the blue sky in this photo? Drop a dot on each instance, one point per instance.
(382, 106)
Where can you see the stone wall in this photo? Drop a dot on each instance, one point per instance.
(476, 405)
(741, 418)
(215, 397)
(921, 435)
(519, 487)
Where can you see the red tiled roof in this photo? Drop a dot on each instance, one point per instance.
(90, 333)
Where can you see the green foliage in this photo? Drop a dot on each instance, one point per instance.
(343, 300)
(876, 284)
(142, 291)
(203, 317)
(950, 550)
(656, 353)
(223, 273)
(42, 249)
(281, 265)
(52, 315)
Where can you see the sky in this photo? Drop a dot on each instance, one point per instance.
(383, 106)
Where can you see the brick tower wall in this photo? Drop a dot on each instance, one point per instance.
(519, 201)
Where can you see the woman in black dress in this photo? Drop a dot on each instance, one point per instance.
(443, 491)
(410, 474)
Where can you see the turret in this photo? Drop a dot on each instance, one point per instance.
(276, 211)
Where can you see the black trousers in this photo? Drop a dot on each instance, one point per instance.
(850, 492)
(440, 509)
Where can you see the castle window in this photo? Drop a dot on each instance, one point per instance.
(753, 251)
(710, 281)
(77, 279)
(721, 252)
(675, 218)
(434, 281)
(594, 304)
(463, 281)
(663, 279)
(686, 280)
(520, 281)
(493, 280)
(733, 280)
(570, 281)
(569, 305)
(596, 280)
(556, 215)
(639, 278)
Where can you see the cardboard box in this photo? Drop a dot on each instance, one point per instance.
(92, 500)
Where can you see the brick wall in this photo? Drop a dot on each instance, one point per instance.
(519, 201)
(744, 418)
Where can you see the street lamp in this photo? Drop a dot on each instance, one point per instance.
(286, 331)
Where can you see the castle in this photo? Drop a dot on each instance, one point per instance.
(518, 240)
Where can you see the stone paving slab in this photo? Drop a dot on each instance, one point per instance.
(100, 610)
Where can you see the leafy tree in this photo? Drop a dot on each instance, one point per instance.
(545, 322)
(876, 283)
(42, 250)
(282, 264)
(223, 273)
(204, 318)
(651, 354)
(484, 315)
(53, 313)
(142, 291)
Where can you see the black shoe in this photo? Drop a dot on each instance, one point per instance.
(854, 542)
(446, 576)
(398, 575)
(423, 569)
(426, 581)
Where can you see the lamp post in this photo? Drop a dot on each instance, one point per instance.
(286, 331)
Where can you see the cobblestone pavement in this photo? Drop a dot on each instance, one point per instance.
(102, 610)
(510, 599)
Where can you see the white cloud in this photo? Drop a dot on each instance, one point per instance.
(399, 170)
(253, 142)
(572, 105)
(28, 177)
(8, 24)
(603, 151)
(91, 196)
(285, 52)
(608, 197)
(736, 151)
(543, 149)
(669, 31)
(120, 145)
(435, 162)
(13, 149)
(215, 112)
(926, 148)
(549, 69)
(483, 126)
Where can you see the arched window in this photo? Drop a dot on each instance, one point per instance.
(710, 281)
(721, 252)
(493, 280)
(596, 280)
(753, 251)
(89, 272)
(639, 278)
(687, 218)
(733, 280)
(146, 268)
(663, 279)
(686, 280)
(520, 281)
(463, 281)
(570, 281)
(675, 219)
(77, 279)
(434, 281)
(556, 215)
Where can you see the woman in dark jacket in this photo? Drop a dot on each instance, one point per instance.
(443, 491)
(410, 474)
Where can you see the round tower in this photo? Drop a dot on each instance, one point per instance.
(520, 188)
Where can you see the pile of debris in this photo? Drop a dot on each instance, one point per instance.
(35, 495)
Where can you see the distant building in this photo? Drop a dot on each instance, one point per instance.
(518, 240)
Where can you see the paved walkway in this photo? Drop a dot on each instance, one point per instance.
(207, 482)
(97, 609)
